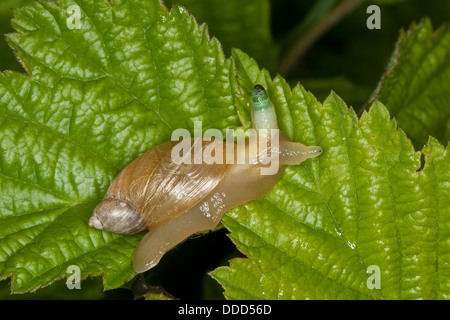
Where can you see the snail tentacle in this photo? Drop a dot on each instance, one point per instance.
(293, 153)
(174, 200)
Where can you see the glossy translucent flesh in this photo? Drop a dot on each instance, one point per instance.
(292, 153)
(242, 184)
(178, 200)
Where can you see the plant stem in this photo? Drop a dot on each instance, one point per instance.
(312, 35)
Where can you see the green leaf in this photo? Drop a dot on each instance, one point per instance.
(365, 201)
(91, 289)
(8, 60)
(416, 83)
(97, 97)
(94, 99)
(238, 24)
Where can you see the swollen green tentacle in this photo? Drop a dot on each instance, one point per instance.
(263, 111)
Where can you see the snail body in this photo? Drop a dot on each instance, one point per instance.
(175, 200)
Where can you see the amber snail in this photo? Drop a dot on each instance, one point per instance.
(175, 200)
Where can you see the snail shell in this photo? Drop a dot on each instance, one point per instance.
(174, 201)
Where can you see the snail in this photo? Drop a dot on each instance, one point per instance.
(175, 200)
